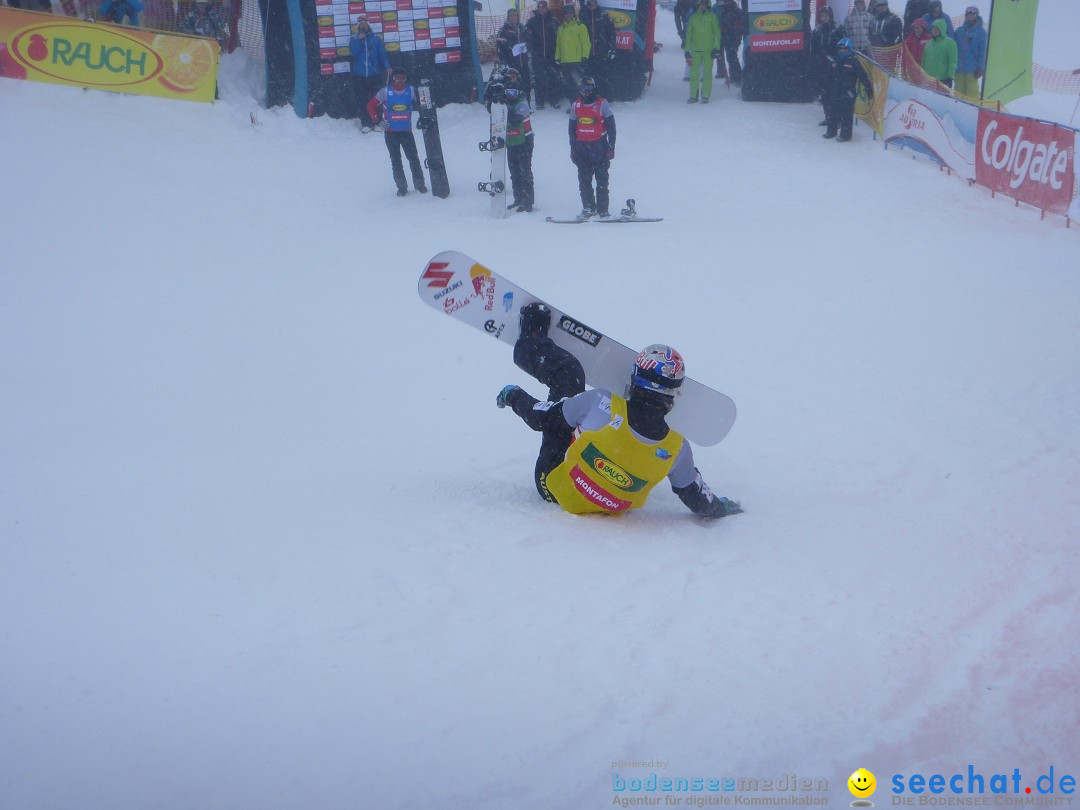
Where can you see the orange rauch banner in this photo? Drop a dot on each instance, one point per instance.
(61, 50)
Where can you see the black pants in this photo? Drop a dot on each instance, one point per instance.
(572, 74)
(545, 82)
(366, 87)
(395, 143)
(586, 171)
(731, 51)
(562, 373)
(839, 115)
(519, 159)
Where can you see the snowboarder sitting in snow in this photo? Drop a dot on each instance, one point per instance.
(845, 74)
(601, 452)
(592, 147)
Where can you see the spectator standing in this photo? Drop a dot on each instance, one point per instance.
(370, 69)
(934, 14)
(392, 107)
(592, 147)
(939, 55)
(601, 43)
(971, 54)
(823, 40)
(116, 11)
(204, 20)
(913, 10)
(572, 49)
(916, 41)
(887, 29)
(510, 45)
(541, 32)
(682, 10)
(915, 44)
(732, 29)
(702, 47)
(857, 26)
(519, 142)
(844, 76)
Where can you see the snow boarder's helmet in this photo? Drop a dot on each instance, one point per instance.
(587, 89)
(844, 48)
(398, 75)
(659, 369)
(534, 320)
(512, 90)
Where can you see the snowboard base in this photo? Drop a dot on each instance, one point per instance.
(467, 291)
(607, 220)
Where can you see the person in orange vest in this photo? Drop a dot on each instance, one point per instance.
(592, 147)
(603, 453)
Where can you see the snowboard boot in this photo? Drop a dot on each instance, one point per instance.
(692, 100)
(588, 212)
(401, 192)
(534, 320)
(704, 99)
(829, 133)
(421, 188)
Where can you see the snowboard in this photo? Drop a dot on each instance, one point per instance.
(628, 214)
(461, 287)
(428, 123)
(496, 146)
(602, 220)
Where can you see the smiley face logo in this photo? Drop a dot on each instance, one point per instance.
(862, 784)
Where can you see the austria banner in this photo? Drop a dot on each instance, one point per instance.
(1028, 160)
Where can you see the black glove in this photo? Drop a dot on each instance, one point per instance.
(715, 53)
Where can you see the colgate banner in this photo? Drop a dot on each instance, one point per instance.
(1028, 160)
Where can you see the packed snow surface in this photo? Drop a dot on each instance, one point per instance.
(266, 542)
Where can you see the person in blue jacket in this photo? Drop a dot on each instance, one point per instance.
(116, 10)
(370, 68)
(936, 13)
(971, 54)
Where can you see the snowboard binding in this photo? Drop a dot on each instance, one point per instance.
(491, 188)
(492, 144)
(630, 210)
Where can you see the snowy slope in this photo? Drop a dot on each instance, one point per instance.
(265, 540)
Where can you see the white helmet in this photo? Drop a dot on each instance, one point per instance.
(659, 369)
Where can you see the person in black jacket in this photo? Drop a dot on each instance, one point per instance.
(511, 38)
(602, 38)
(913, 10)
(844, 76)
(822, 47)
(540, 33)
(887, 29)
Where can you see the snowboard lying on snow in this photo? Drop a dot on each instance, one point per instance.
(464, 289)
(628, 214)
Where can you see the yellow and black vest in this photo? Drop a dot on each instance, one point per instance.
(590, 480)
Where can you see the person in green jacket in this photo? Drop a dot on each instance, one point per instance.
(702, 47)
(940, 54)
(572, 48)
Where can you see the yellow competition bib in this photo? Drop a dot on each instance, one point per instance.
(591, 480)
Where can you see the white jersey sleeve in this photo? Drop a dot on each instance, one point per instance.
(592, 410)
